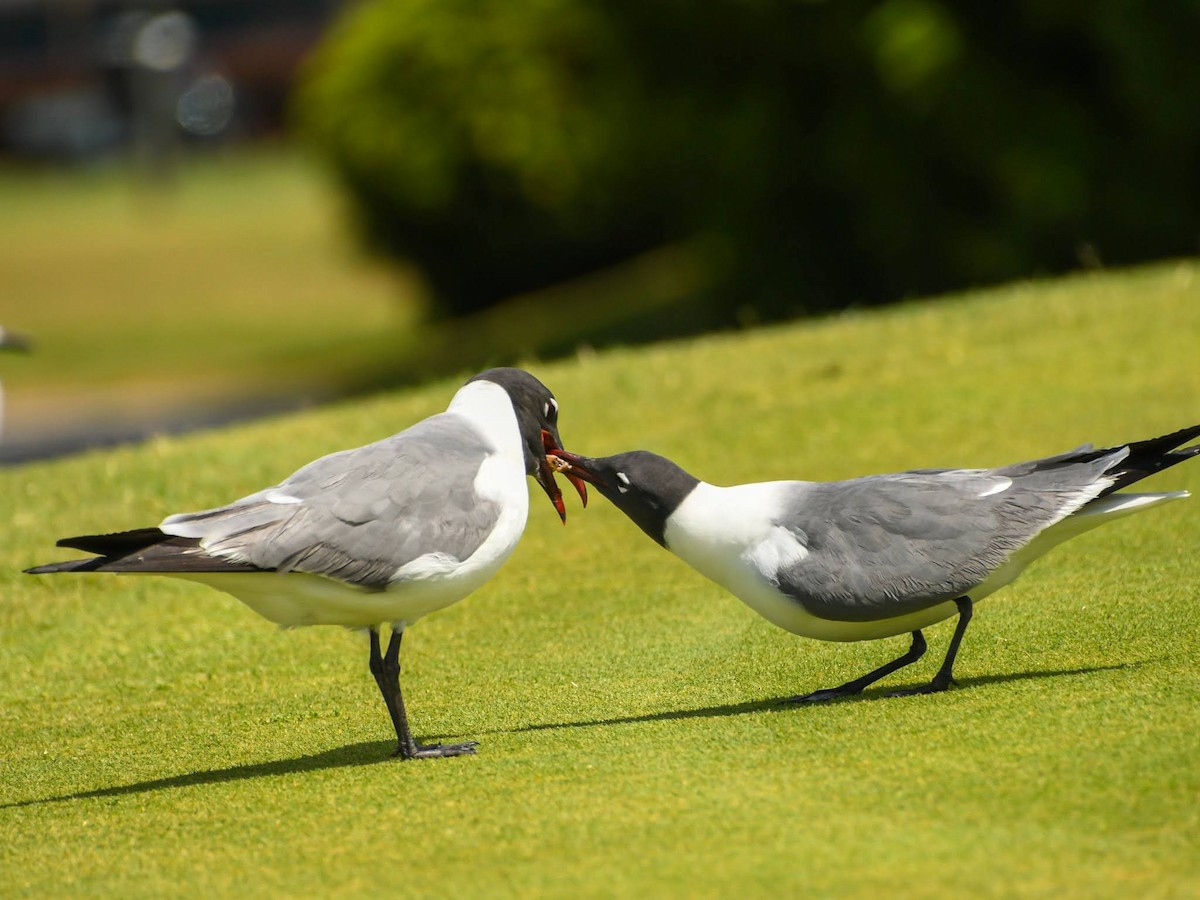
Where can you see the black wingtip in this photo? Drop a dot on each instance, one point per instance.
(108, 548)
(71, 565)
(146, 551)
(1160, 445)
(116, 543)
(1151, 456)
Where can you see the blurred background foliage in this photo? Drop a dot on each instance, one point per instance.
(794, 157)
(537, 177)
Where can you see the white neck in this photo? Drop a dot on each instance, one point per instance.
(490, 409)
(715, 526)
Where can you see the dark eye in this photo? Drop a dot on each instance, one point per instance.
(551, 410)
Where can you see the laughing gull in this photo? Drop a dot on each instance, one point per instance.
(883, 555)
(388, 532)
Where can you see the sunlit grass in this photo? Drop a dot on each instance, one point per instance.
(158, 739)
(237, 281)
(233, 276)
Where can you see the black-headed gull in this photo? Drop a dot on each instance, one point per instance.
(388, 532)
(882, 555)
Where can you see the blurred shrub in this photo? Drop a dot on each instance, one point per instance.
(838, 152)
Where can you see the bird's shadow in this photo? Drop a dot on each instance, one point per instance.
(781, 704)
(361, 754)
(371, 752)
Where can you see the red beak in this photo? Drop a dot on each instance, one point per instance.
(545, 477)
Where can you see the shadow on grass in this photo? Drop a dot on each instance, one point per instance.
(362, 754)
(371, 752)
(780, 704)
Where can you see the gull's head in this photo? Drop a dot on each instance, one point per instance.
(537, 417)
(643, 485)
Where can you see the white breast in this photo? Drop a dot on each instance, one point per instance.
(729, 535)
(434, 581)
(720, 531)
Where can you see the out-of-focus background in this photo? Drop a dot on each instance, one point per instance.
(219, 208)
(222, 208)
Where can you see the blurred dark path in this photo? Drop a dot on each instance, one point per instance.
(48, 439)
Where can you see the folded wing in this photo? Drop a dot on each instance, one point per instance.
(888, 545)
(357, 516)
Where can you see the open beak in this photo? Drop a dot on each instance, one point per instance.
(545, 474)
(573, 466)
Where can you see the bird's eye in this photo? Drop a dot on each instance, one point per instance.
(551, 410)
(623, 487)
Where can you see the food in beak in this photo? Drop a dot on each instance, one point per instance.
(570, 465)
(545, 476)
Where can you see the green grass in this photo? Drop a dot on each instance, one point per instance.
(234, 278)
(234, 284)
(157, 739)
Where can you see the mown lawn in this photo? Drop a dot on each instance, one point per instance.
(234, 286)
(157, 739)
(233, 281)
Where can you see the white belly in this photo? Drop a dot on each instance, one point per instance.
(732, 572)
(298, 598)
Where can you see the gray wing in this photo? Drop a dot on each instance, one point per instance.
(887, 545)
(359, 515)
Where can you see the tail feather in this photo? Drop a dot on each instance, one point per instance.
(144, 550)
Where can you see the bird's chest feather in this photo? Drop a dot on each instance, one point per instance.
(730, 535)
(502, 480)
(501, 477)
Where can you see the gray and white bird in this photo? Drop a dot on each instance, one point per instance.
(385, 533)
(883, 555)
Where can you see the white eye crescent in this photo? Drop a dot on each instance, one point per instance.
(624, 485)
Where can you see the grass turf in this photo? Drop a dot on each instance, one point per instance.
(227, 285)
(157, 739)
(232, 288)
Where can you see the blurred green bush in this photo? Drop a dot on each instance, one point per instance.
(837, 153)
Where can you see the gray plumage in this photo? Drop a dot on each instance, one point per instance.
(888, 545)
(882, 555)
(389, 532)
(360, 515)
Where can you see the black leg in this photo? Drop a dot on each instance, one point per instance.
(945, 675)
(915, 651)
(386, 670)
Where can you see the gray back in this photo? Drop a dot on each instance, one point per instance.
(887, 545)
(359, 515)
